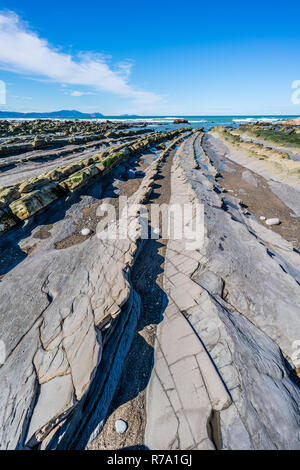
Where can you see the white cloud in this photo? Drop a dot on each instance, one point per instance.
(21, 97)
(80, 93)
(23, 51)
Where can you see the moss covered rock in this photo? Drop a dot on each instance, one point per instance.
(30, 185)
(26, 206)
(33, 202)
(8, 195)
(109, 134)
(78, 178)
(49, 193)
(54, 175)
(72, 168)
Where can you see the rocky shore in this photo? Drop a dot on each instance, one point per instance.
(144, 342)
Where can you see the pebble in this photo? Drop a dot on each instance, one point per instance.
(274, 221)
(131, 173)
(121, 426)
(262, 217)
(149, 327)
(156, 230)
(85, 231)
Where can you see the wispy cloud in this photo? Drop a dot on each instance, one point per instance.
(81, 93)
(22, 51)
(21, 97)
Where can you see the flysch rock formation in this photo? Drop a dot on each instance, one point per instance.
(223, 375)
(222, 371)
(65, 307)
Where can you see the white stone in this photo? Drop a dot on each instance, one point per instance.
(121, 426)
(262, 217)
(274, 221)
(85, 231)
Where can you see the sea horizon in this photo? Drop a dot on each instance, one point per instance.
(193, 120)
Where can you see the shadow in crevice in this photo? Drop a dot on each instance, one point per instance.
(7, 167)
(139, 361)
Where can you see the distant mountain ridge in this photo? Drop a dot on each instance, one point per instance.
(65, 113)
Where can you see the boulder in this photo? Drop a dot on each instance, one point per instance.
(180, 121)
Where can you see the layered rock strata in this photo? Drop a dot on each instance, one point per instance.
(223, 374)
(70, 326)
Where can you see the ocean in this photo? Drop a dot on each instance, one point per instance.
(166, 122)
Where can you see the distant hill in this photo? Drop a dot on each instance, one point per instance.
(65, 113)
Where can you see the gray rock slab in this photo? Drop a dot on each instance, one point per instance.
(249, 178)
(246, 316)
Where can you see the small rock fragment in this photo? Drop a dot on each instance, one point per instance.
(85, 231)
(121, 426)
(274, 221)
(131, 173)
(262, 217)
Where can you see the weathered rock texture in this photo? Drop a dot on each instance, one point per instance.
(25, 199)
(223, 374)
(72, 318)
(232, 306)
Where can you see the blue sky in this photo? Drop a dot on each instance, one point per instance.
(157, 57)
